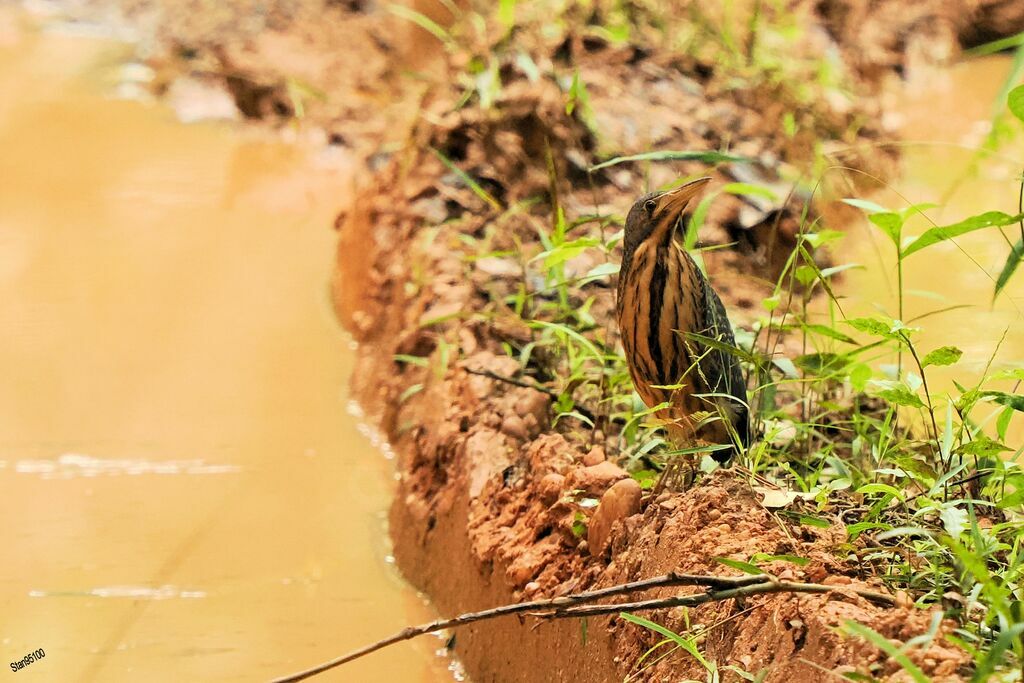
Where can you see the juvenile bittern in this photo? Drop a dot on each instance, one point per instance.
(663, 299)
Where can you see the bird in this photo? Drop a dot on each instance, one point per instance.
(663, 298)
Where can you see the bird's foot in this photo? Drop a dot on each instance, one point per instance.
(678, 475)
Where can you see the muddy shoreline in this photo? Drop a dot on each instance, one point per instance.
(481, 516)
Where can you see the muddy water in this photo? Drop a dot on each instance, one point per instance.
(944, 120)
(182, 493)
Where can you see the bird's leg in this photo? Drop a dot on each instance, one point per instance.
(679, 474)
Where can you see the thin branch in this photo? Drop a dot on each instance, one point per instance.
(585, 412)
(769, 586)
(720, 588)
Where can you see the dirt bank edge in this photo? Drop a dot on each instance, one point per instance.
(481, 516)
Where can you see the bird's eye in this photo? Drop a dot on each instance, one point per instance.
(650, 205)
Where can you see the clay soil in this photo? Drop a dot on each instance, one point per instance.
(484, 513)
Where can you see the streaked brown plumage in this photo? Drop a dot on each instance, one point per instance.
(662, 296)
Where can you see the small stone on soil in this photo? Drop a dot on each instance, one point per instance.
(551, 487)
(597, 478)
(594, 457)
(618, 502)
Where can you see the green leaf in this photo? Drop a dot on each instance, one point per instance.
(954, 519)
(881, 488)
(409, 392)
(569, 332)
(749, 190)
(686, 644)
(577, 93)
(889, 223)
(859, 376)
(865, 205)
(745, 567)
(421, 20)
(814, 521)
(566, 252)
(855, 530)
(998, 45)
(792, 559)
(989, 219)
(1003, 422)
(901, 396)
(1012, 262)
(871, 326)
(882, 643)
(821, 364)
(1014, 401)
(830, 332)
(601, 270)
(704, 157)
(944, 355)
(1015, 101)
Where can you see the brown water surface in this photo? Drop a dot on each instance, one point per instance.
(183, 495)
(944, 120)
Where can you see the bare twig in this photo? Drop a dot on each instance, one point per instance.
(719, 588)
(585, 412)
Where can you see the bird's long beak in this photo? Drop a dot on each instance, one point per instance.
(672, 203)
(670, 206)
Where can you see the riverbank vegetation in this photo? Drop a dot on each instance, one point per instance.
(926, 488)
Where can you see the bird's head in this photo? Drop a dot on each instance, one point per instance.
(654, 216)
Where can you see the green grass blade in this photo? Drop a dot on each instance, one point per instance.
(685, 643)
(1010, 267)
(690, 155)
(421, 20)
(464, 177)
(883, 644)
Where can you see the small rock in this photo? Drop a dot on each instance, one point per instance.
(617, 503)
(594, 457)
(499, 267)
(596, 479)
(514, 426)
(532, 403)
(551, 487)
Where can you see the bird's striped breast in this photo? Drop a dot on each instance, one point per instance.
(657, 305)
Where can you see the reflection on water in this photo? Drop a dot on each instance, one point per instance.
(945, 121)
(78, 465)
(184, 495)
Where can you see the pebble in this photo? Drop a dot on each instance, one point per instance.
(514, 426)
(617, 503)
(532, 403)
(594, 457)
(597, 478)
(551, 487)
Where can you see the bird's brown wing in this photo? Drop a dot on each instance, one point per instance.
(719, 371)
